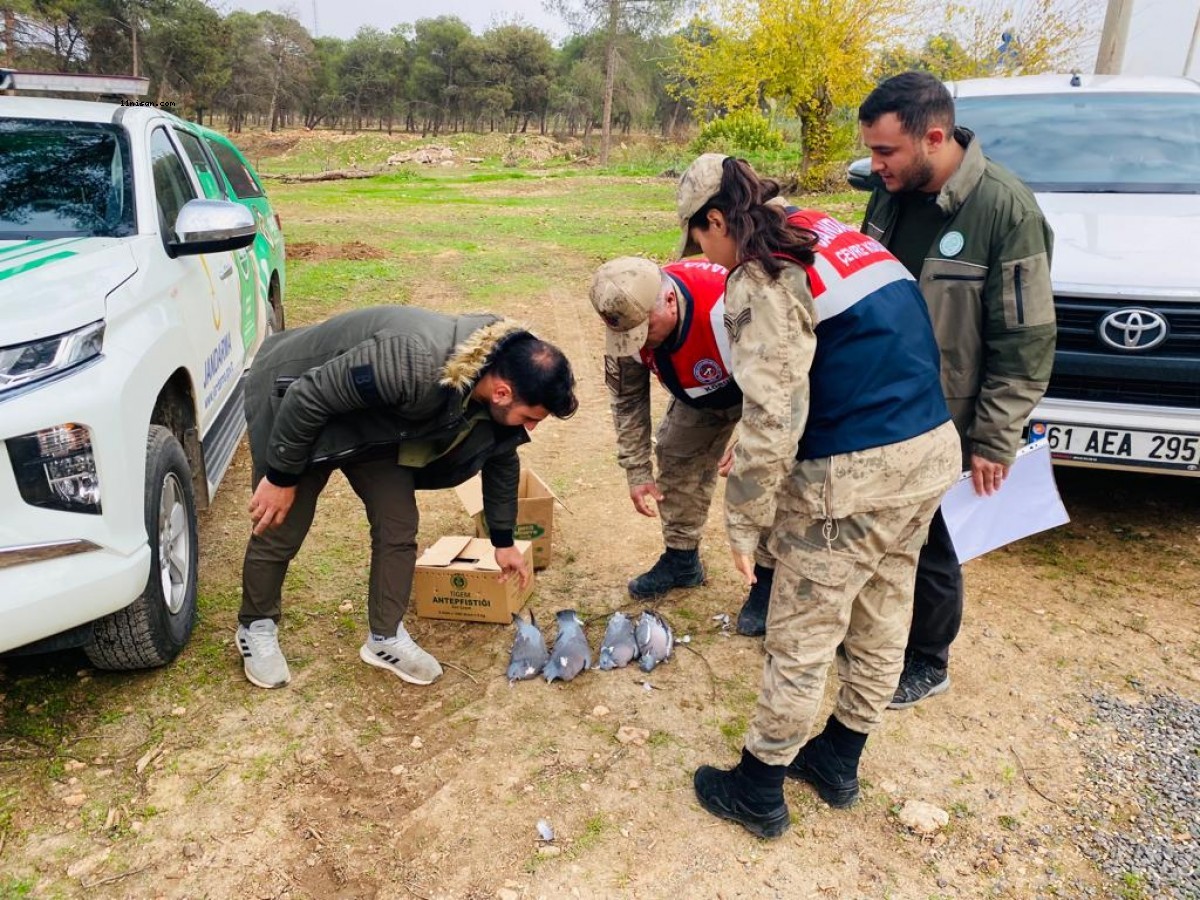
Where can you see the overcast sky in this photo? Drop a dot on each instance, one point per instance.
(341, 18)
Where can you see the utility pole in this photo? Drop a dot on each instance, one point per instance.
(1191, 54)
(1114, 37)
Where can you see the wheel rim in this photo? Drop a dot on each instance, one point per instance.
(174, 544)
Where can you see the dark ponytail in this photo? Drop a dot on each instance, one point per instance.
(760, 230)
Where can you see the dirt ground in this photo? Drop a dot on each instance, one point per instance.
(190, 782)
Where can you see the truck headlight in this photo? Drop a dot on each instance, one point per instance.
(23, 364)
(56, 469)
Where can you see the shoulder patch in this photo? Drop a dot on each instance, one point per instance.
(363, 379)
(735, 324)
(612, 374)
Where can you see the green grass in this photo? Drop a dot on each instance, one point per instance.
(593, 832)
(1133, 886)
(12, 887)
(485, 238)
(734, 731)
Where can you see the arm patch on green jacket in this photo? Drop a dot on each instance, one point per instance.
(363, 379)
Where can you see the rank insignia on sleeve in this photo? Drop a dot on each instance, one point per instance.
(735, 324)
(612, 374)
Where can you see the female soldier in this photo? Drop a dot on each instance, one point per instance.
(846, 448)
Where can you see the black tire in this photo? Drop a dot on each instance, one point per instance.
(275, 321)
(155, 627)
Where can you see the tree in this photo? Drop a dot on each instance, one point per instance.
(249, 69)
(291, 52)
(1042, 36)
(941, 55)
(577, 94)
(185, 51)
(518, 62)
(1000, 37)
(441, 57)
(322, 98)
(812, 57)
(371, 73)
(614, 18)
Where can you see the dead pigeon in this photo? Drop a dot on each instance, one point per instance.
(654, 640)
(571, 653)
(528, 650)
(619, 647)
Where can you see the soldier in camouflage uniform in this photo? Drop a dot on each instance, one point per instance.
(973, 235)
(846, 448)
(670, 321)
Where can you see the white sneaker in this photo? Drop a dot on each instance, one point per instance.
(261, 656)
(401, 656)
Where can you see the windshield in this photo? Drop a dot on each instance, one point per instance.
(64, 179)
(1128, 143)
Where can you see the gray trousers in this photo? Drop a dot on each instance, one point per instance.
(387, 492)
(688, 446)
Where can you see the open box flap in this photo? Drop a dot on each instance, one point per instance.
(470, 492)
(480, 554)
(444, 552)
(543, 489)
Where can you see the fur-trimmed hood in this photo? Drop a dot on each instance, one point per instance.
(465, 365)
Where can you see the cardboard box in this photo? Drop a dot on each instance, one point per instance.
(458, 578)
(535, 513)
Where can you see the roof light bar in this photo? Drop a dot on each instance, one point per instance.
(13, 79)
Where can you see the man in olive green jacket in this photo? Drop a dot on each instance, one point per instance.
(399, 400)
(973, 236)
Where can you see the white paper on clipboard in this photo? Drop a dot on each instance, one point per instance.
(1028, 502)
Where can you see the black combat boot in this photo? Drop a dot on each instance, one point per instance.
(752, 620)
(751, 793)
(674, 569)
(829, 762)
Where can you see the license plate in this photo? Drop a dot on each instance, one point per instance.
(1114, 446)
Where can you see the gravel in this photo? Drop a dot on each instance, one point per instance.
(1141, 813)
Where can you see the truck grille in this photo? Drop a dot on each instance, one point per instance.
(1079, 321)
(1124, 390)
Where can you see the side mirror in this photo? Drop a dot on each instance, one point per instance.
(212, 226)
(861, 177)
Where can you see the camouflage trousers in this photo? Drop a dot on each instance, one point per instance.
(843, 588)
(688, 446)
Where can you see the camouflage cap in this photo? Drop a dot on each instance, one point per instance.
(699, 184)
(624, 292)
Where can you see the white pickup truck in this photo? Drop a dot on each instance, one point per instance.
(129, 309)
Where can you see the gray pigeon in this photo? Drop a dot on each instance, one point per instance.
(528, 650)
(620, 646)
(571, 653)
(654, 640)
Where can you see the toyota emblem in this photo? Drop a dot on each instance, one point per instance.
(1133, 329)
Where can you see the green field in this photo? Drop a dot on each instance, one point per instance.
(487, 237)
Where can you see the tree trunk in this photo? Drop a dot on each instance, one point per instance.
(10, 36)
(274, 109)
(162, 80)
(610, 66)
